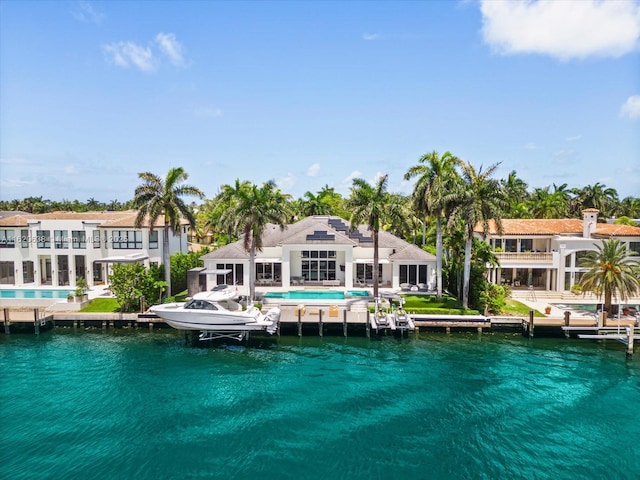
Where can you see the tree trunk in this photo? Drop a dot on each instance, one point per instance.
(375, 263)
(467, 272)
(166, 258)
(607, 301)
(252, 269)
(438, 255)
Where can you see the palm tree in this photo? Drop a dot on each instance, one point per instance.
(545, 204)
(251, 210)
(155, 198)
(597, 196)
(370, 204)
(225, 201)
(436, 178)
(611, 272)
(479, 199)
(516, 192)
(312, 204)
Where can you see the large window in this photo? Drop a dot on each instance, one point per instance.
(44, 238)
(61, 238)
(24, 238)
(234, 277)
(318, 265)
(28, 272)
(7, 239)
(79, 238)
(634, 248)
(413, 274)
(153, 239)
(526, 244)
(364, 271)
(511, 245)
(7, 276)
(96, 239)
(126, 239)
(269, 271)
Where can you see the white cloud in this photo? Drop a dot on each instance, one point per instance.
(313, 170)
(352, 175)
(574, 138)
(286, 182)
(370, 36)
(126, 54)
(86, 13)
(208, 112)
(563, 29)
(530, 146)
(14, 183)
(631, 107)
(171, 48)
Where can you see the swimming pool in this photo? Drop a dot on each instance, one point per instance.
(33, 293)
(589, 307)
(317, 294)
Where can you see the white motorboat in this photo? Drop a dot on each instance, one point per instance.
(217, 310)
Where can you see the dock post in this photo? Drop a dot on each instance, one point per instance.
(344, 322)
(36, 321)
(320, 322)
(531, 326)
(299, 322)
(7, 321)
(567, 318)
(630, 332)
(417, 331)
(150, 326)
(368, 325)
(479, 330)
(447, 330)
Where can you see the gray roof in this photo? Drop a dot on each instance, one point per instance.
(302, 233)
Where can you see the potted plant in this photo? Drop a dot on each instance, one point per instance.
(576, 289)
(81, 288)
(547, 309)
(69, 298)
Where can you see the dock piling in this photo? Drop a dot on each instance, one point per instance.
(531, 325)
(344, 323)
(320, 322)
(630, 334)
(7, 321)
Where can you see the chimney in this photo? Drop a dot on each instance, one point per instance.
(589, 220)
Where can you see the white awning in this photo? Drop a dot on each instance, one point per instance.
(370, 261)
(268, 260)
(216, 271)
(136, 257)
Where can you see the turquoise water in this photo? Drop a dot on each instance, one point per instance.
(131, 404)
(316, 295)
(32, 293)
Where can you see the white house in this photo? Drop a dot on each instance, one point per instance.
(545, 253)
(321, 251)
(56, 249)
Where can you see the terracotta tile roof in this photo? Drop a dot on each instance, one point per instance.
(561, 226)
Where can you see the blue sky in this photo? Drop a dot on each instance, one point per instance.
(314, 93)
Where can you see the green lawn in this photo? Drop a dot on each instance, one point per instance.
(430, 304)
(102, 305)
(515, 307)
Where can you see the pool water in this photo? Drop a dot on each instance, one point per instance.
(316, 294)
(33, 293)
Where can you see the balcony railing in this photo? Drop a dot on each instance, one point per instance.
(532, 257)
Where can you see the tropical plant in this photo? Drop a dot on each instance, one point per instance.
(312, 204)
(431, 195)
(611, 272)
(546, 204)
(370, 205)
(251, 210)
(130, 282)
(596, 196)
(157, 198)
(217, 217)
(479, 200)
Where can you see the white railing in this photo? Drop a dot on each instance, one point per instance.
(533, 257)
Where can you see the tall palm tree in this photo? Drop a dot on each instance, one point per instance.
(371, 204)
(312, 204)
(546, 204)
(436, 178)
(157, 198)
(611, 272)
(479, 199)
(251, 210)
(516, 192)
(225, 201)
(597, 196)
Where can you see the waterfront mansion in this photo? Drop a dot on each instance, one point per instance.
(321, 251)
(56, 249)
(544, 254)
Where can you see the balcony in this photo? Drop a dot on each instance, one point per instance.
(537, 258)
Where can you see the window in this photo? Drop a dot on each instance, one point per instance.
(269, 271)
(234, 277)
(96, 239)
(511, 245)
(413, 274)
(497, 244)
(153, 239)
(364, 271)
(567, 260)
(634, 248)
(24, 238)
(79, 239)
(7, 239)
(61, 238)
(318, 265)
(28, 272)
(44, 238)
(579, 256)
(526, 245)
(126, 239)
(7, 276)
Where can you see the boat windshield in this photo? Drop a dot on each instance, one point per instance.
(199, 305)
